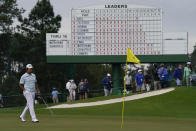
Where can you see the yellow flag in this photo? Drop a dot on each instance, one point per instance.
(131, 57)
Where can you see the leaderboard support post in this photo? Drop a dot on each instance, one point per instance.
(116, 68)
(70, 71)
(70, 75)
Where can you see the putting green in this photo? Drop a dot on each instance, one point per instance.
(96, 123)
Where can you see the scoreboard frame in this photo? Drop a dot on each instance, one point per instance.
(119, 58)
(112, 31)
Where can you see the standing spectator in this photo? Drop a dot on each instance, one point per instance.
(178, 75)
(72, 87)
(128, 82)
(163, 76)
(81, 89)
(55, 94)
(86, 88)
(148, 81)
(1, 101)
(107, 84)
(187, 74)
(68, 84)
(139, 81)
(155, 76)
(68, 87)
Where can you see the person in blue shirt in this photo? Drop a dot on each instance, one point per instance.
(163, 76)
(1, 101)
(139, 81)
(178, 75)
(55, 94)
(107, 84)
(86, 88)
(81, 89)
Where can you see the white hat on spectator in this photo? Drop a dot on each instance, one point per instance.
(29, 66)
(108, 74)
(188, 63)
(139, 70)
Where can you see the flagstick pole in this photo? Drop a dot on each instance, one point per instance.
(124, 97)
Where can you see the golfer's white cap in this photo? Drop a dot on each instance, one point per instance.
(188, 63)
(29, 66)
(108, 74)
(139, 70)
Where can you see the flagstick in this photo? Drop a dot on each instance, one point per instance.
(130, 58)
(124, 97)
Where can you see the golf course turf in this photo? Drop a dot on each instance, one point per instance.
(173, 111)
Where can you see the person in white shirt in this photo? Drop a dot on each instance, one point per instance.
(128, 83)
(28, 83)
(187, 74)
(71, 86)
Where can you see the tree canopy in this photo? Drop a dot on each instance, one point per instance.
(8, 12)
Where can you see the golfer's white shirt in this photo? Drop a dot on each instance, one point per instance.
(28, 80)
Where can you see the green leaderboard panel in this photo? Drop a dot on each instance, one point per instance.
(117, 59)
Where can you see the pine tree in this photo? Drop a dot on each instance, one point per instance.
(40, 21)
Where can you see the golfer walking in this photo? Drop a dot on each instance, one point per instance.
(28, 84)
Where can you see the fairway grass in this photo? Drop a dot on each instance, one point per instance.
(173, 111)
(96, 123)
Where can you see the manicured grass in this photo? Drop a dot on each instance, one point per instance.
(173, 111)
(96, 123)
(178, 103)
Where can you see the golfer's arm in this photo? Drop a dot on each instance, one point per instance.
(21, 87)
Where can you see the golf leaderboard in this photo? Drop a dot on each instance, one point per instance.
(114, 28)
(102, 34)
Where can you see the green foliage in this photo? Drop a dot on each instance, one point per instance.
(40, 21)
(193, 59)
(8, 12)
(10, 86)
(5, 41)
(9, 89)
(93, 72)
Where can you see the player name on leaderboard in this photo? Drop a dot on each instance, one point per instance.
(114, 28)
